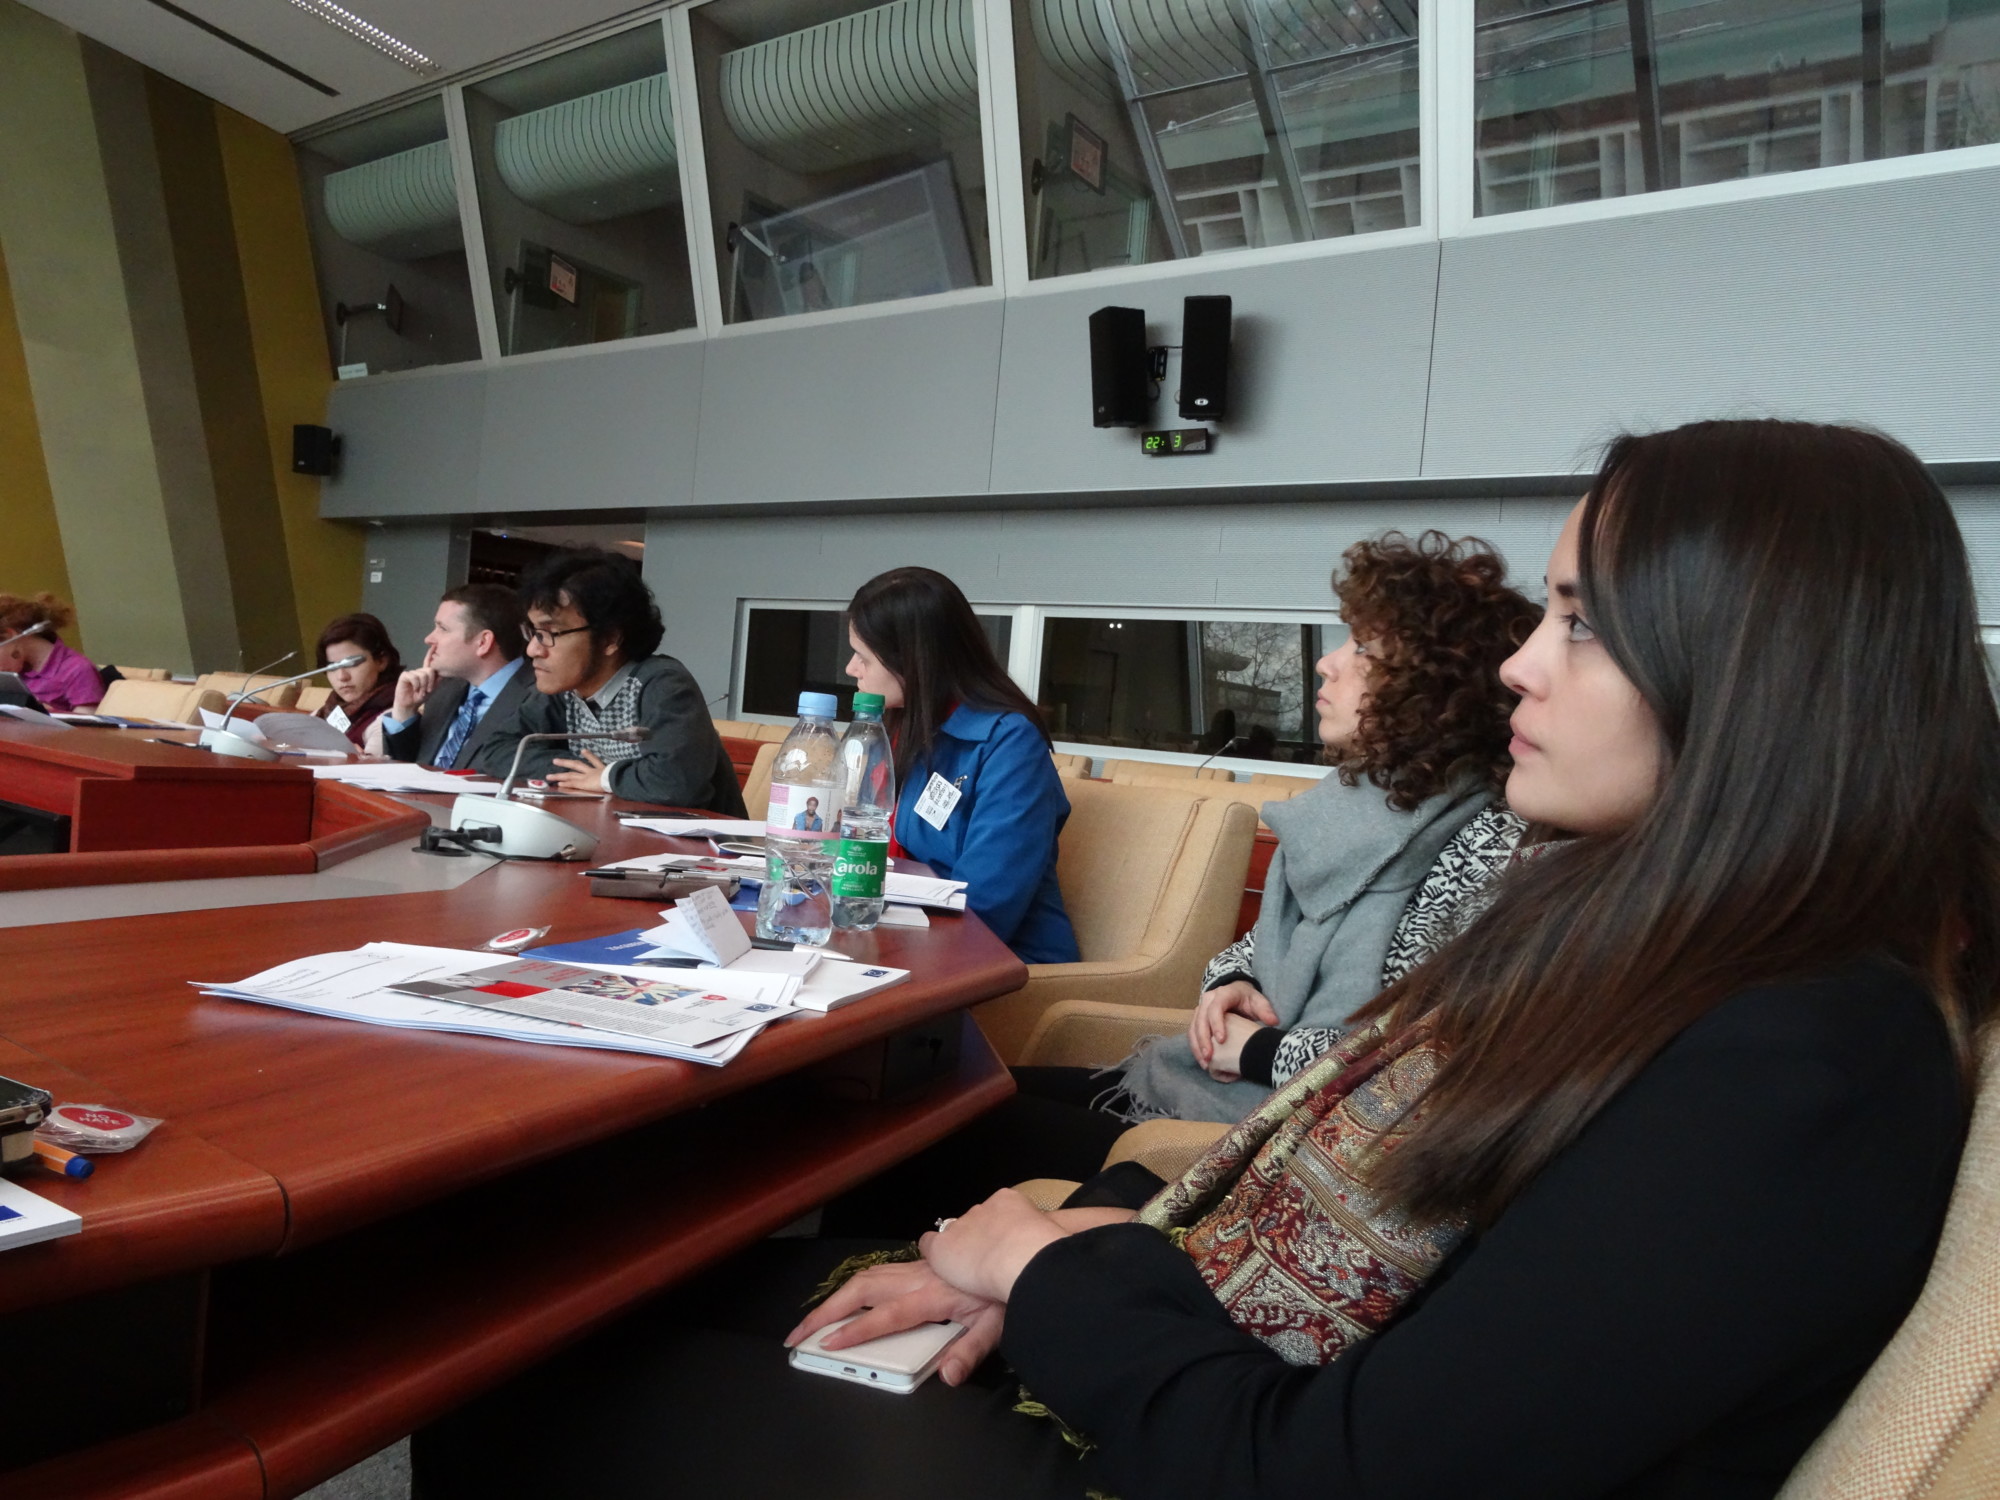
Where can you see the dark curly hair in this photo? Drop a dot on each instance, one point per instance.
(1441, 618)
(606, 588)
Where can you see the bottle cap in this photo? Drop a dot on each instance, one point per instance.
(818, 705)
(868, 703)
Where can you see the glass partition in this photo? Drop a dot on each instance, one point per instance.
(580, 195)
(1161, 129)
(1185, 685)
(382, 207)
(793, 649)
(1599, 99)
(844, 154)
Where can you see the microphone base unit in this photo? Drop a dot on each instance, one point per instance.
(525, 832)
(222, 742)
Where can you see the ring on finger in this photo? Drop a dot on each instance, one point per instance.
(944, 1224)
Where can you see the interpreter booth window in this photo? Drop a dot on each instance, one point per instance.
(1162, 129)
(845, 163)
(580, 195)
(1580, 102)
(382, 207)
(788, 651)
(1187, 686)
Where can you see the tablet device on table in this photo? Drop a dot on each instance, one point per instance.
(898, 1362)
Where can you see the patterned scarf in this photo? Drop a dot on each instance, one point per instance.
(1279, 1219)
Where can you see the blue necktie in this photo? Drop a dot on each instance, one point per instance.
(461, 726)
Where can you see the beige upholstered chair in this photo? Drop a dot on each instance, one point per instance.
(757, 789)
(231, 683)
(1135, 771)
(312, 699)
(1925, 1420)
(1065, 761)
(151, 700)
(1152, 877)
(1296, 783)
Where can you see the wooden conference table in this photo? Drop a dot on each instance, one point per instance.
(343, 1231)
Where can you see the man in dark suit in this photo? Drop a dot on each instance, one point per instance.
(459, 711)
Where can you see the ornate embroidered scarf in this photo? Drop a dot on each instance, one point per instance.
(1278, 1216)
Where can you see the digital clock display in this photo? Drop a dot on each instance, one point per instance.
(1175, 441)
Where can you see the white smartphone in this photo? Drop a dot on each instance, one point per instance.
(898, 1362)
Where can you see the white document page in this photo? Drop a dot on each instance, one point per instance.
(700, 828)
(242, 728)
(897, 887)
(401, 776)
(27, 1218)
(356, 986)
(302, 732)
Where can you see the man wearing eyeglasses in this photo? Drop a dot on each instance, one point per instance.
(459, 711)
(592, 630)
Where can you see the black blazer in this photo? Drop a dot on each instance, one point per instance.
(488, 749)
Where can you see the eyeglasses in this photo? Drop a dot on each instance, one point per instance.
(547, 638)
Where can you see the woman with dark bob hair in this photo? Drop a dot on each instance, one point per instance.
(957, 718)
(361, 693)
(1615, 1196)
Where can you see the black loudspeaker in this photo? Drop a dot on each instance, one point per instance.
(314, 449)
(1205, 358)
(1119, 380)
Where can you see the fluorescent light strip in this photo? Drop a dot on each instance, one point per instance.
(374, 36)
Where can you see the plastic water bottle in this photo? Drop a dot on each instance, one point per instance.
(868, 799)
(795, 905)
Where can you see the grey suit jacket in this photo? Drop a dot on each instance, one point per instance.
(684, 766)
(489, 749)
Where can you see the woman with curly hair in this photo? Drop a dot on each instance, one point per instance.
(1384, 859)
(1375, 867)
(62, 680)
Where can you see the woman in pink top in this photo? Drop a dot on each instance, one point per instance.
(61, 679)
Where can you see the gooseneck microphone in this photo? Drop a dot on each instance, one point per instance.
(1227, 745)
(222, 742)
(40, 627)
(524, 832)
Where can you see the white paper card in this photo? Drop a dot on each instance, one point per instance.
(939, 798)
(337, 717)
(714, 926)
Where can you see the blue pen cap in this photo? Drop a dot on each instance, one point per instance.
(818, 705)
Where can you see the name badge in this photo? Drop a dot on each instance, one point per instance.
(338, 719)
(939, 798)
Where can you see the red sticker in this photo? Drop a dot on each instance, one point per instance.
(97, 1119)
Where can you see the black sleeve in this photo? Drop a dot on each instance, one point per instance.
(402, 745)
(1746, 1221)
(538, 713)
(1259, 1052)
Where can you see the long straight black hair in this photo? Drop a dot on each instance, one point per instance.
(918, 625)
(1794, 605)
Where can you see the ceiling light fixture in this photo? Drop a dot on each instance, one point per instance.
(373, 36)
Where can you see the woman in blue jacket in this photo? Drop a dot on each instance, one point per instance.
(980, 798)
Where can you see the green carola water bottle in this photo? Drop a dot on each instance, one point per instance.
(868, 801)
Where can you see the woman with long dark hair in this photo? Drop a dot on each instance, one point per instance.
(1616, 1196)
(958, 720)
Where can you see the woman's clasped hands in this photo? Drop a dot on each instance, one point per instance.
(1224, 1019)
(968, 1270)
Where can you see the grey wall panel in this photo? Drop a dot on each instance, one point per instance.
(1327, 379)
(411, 446)
(888, 407)
(1859, 304)
(600, 431)
(404, 570)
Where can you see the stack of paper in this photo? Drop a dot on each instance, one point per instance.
(705, 1019)
(702, 936)
(400, 776)
(898, 888)
(699, 828)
